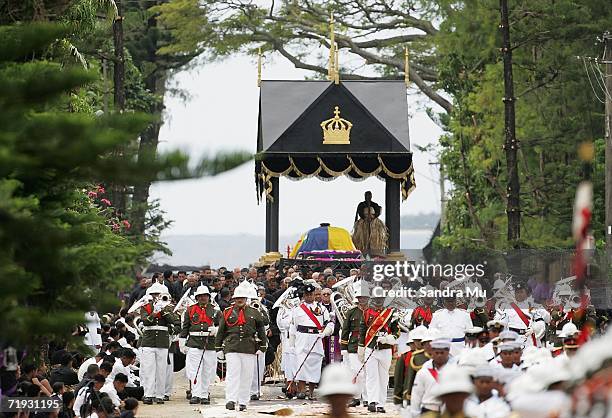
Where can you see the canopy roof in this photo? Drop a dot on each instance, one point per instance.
(291, 136)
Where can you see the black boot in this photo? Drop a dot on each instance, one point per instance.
(243, 407)
(166, 397)
(254, 397)
(159, 401)
(301, 395)
(147, 401)
(230, 405)
(372, 407)
(354, 402)
(365, 403)
(380, 409)
(205, 401)
(194, 400)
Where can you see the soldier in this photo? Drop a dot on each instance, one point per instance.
(349, 341)
(452, 391)
(403, 378)
(158, 321)
(423, 397)
(422, 314)
(284, 322)
(197, 336)
(312, 323)
(377, 335)
(260, 361)
(520, 314)
(241, 336)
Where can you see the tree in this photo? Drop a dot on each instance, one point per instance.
(62, 247)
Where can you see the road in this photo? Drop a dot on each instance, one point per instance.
(271, 401)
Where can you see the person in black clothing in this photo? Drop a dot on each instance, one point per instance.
(224, 299)
(67, 403)
(65, 373)
(139, 290)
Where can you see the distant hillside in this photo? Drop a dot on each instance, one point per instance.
(420, 221)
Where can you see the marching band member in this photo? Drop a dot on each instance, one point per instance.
(377, 335)
(312, 323)
(403, 378)
(197, 340)
(241, 336)
(284, 320)
(452, 322)
(349, 340)
(521, 313)
(260, 360)
(158, 321)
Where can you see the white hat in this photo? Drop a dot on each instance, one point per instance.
(337, 379)
(441, 344)
(568, 330)
(472, 358)
(201, 290)
(361, 290)
(508, 335)
(157, 288)
(418, 333)
(507, 346)
(473, 330)
(253, 291)
(550, 372)
(495, 323)
(430, 335)
(498, 284)
(483, 371)
(452, 379)
(243, 290)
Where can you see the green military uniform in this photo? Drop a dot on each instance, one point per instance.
(365, 324)
(157, 327)
(196, 330)
(404, 375)
(240, 338)
(349, 339)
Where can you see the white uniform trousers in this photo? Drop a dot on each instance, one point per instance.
(288, 364)
(377, 375)
(240, 368)
(153, 369)
(261, 364)
(355, 365)
(169, 375)
(205, 375)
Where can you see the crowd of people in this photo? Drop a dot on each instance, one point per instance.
(439, 357)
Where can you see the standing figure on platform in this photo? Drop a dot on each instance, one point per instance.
(369, 233)
(198, 337)
(240, 338)
(312, 323)
(377, 335)
(158, 320)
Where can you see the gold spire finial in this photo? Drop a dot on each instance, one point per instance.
(331, 69)
(406, 67)
(336, 66)
(259, 68)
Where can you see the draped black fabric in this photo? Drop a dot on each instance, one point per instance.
(328, 166)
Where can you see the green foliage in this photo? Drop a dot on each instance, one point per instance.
(59, 250)
(555, 111)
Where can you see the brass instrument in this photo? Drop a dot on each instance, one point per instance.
(343, 297)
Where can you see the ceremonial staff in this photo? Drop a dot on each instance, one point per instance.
(303, 362)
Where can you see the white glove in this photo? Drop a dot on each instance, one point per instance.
(361, 354)
(158, 306)
(405, 403)
(259, 353)
(220, 355)
(344, 354)
(528, 332)
(388, 339)
(212, 330)
(327, 331)
(182, 346)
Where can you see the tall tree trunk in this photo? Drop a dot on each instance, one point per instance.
(118, 192)
(155, 83)
(513, 208)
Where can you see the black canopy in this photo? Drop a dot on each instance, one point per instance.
(290, 138)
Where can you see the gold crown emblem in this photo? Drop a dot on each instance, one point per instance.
(336, 130)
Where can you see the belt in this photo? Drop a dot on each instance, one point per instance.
(458, 340)
(155, 328)
(307, 330)
(518, 330)
(199, 334)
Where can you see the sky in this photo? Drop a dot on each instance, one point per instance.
(221, 114)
